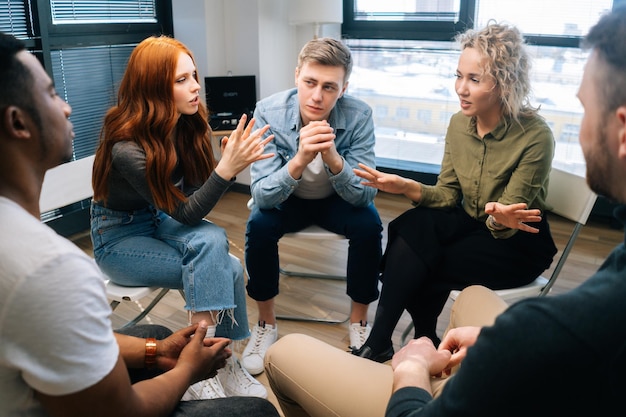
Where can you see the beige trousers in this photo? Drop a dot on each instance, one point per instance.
(311, 378)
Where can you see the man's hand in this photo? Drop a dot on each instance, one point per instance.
(456, 341)
(168, 349)
(204, 356)
(318, 137)
(417, 362)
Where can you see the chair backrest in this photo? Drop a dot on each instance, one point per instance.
(67, 184)
(570, 196)
(70, 183)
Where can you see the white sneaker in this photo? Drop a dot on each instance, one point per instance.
(207, 389)
(359, 332)
(237, 382)
(262, 337)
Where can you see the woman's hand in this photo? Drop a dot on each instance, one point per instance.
(389, 183)
(241, 148)
(514, 216)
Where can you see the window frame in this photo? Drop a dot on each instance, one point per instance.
(44, 39)
(406, 30)
(437, 30)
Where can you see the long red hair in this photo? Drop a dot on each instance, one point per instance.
(146, 114)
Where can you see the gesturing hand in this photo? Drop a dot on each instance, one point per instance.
(242, 147)
(514, 216)
(390, 183)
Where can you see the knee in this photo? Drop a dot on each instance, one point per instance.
(474, 292)
(286, 346)
(237, 267)
(209, 236)
(211, 231)
(261, 225)
(367, 223)
(476, 305)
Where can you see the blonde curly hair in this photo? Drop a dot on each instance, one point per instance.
(507, 62)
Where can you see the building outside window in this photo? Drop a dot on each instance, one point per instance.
(405, 60)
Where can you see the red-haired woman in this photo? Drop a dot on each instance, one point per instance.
(155, 179)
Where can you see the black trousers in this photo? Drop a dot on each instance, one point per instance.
(431, 251)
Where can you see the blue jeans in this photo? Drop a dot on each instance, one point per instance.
(360, 225)
(149, 248)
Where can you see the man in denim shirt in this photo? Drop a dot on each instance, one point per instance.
(320, 134)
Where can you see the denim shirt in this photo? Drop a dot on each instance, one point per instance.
(354, 129)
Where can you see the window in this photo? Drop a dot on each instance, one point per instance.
(84, 45)
(16, 18)
(402, 112)
(404, 19)
(404, 56)
(89, 90)
(111, 11)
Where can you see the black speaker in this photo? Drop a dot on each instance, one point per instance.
(228, 98)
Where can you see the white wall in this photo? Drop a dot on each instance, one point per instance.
(244, 37)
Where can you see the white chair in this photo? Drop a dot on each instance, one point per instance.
(313, 232)
(70, 183)
(571, 198)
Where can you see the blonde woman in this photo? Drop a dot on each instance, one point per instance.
(484, 220)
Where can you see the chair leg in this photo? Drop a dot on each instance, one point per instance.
(312, 319)
(146, 310)
(311, 275)
(307, 318)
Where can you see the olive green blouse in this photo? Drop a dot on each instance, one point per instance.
(511, 164)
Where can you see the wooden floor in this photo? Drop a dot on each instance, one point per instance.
(325, 298)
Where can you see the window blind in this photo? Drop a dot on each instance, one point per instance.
(90, 89)
(107, 11)
(402, 10)
(15, 18)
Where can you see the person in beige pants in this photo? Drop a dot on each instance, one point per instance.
(294, 362)
(543, 356)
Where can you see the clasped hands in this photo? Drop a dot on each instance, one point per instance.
(318, 137)
(189, 347)
(420, 355)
